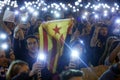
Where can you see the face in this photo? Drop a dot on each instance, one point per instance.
(103, 31)
(33, 20)
(88, 28)
(38, 23)
(76, 78)
(2, 54)
(32, 45)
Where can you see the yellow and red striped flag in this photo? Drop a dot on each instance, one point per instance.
(52, 36)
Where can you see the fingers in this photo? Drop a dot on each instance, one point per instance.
(37, 67)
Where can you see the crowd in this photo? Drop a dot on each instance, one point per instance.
(96, 40)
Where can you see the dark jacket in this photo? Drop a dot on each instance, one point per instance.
(46, 75)
(113, 73)
(22, 76)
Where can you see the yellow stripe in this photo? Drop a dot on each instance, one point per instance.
(41, 37)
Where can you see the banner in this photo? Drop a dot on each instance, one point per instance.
(9, 16)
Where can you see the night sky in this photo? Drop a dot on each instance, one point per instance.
(20, 2)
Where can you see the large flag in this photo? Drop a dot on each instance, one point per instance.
(52, 37)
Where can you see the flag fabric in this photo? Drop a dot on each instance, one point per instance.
(52, 36)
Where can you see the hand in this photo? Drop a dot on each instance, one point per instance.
(97, 28)
(18, 32)
(36, 67)
(12, 56)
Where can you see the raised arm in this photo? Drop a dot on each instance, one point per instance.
(93, 41)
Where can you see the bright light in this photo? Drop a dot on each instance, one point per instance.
(35, 13)
(8, 8)
(4, 46)
(105, 14)
(44, 9)
(75, 54)
(96, 16)
(117, 8)
(23, 19)
(74, 10)
(22, 8)
(83, 17)
(113, 9)
(31, 10)
(3, 36)
(41, 56)
(76, 3)
(57, 15)
(117, 21)
(81, 5)
(105, 11)
(79, 0)
(66, 8)
(77, 9)
(16, 12)
(86, 13)
(81, 42)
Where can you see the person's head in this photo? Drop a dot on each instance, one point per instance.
(47, 17)
(15, 68)
(103, 30)
(87, 28)
(33, 20)
(2, 53)
(32, 44)
(38, 22)
(71, 74)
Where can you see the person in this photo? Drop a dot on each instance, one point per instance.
(66, 61)
(29, 53)
(33, 21)
(71, 74)
(19, 70)
(112, 73)
(98, 42)
(4, 63)
(114, 56)
(48, 17)
(25, 48)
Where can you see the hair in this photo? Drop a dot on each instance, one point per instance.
(46, 16)
(30, 36)
(68, 74)
(14, 68)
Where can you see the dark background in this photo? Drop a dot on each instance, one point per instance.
(21, 2)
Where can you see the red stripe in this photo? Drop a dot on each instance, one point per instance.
(53, 54)
(45, 40)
